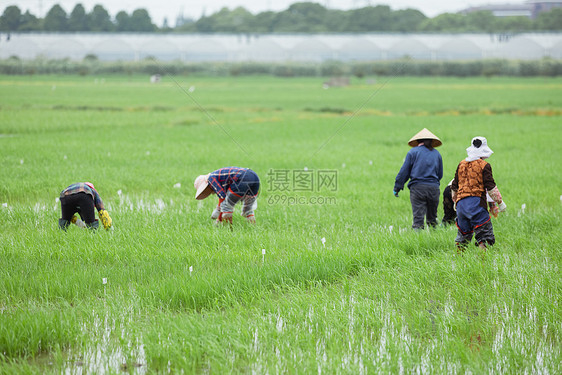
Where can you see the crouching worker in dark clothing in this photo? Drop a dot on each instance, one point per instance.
(82, 198)
(449, 212)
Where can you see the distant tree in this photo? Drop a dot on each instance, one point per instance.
(56, 19)
(30, 23)
(336, 20)
(446, 22)
(307, 17)
(186, 26)
(205, 25)
(220, 20)
(140, 21)
(238, 20)
(11, 19)
(78, 20)
(302, 17)
(242, 20)
(225, 20)
(377, 18)
(99, 19)
(122, 21)
(481, 21)
(551, 21)
(264, 22)
(513, 24)
(407, 20)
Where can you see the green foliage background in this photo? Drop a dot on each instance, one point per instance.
(300, 17)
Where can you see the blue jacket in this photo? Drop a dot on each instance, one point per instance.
(422, 165)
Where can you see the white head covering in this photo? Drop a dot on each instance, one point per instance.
(478, 149)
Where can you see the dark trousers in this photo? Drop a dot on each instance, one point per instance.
(80, 202)
(425, 200)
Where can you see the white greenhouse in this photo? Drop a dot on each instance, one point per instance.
(281, 48)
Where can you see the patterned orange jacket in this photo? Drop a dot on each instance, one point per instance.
(472, 179)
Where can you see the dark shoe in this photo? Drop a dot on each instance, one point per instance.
(63, 224)
(93, 225)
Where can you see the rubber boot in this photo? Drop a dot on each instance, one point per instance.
(93, 225)
(63, 224)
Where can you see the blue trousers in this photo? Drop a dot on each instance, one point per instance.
(473, 219)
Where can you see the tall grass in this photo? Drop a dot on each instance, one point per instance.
(344, 287)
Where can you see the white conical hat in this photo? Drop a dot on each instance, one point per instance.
(201, 183)
(425, 134)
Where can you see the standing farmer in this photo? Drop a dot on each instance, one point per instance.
(82, 198)
(231, 185)
(473, 182)
(423, 166)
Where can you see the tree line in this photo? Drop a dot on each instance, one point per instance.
(304, 17)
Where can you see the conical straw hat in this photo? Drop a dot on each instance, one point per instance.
(202, 187)
(425, 134)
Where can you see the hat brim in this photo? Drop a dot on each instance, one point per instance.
(204, 191)
(434, 142)
(425, 134)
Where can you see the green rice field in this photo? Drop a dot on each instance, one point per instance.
(330, 280)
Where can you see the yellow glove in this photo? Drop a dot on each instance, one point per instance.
(105, 219)
(79, 223)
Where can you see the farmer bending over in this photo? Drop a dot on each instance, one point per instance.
(82, 198)
(231, 185)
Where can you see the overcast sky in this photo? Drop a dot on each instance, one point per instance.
(161, 9)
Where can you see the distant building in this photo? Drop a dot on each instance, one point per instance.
(543, 6)
(503, 10)
(529, 9)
